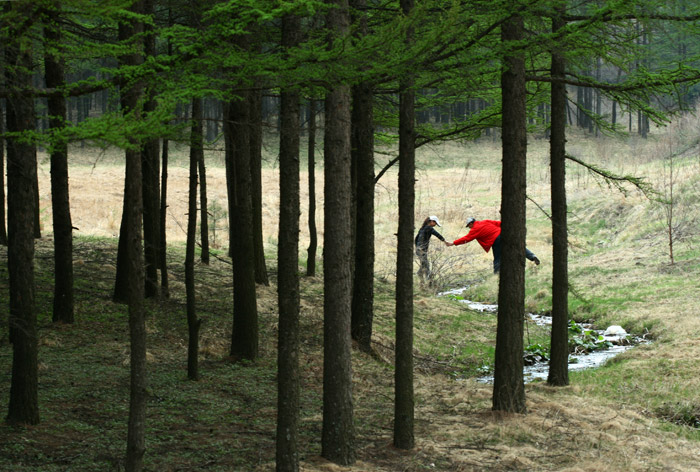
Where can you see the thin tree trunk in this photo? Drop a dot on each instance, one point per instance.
(121, 288)
(136, 436)
(559, 358)
(598, 95)
(60, 201)
(287, 455)
(151, 173)
(229, 156)
(3, 228)
(37, 210)
(164, 286)
(580, 104)
(404, 403)
(193, 323)
(21, 204)
(162, 259)
(203, 210)
(256, 138)
(508, 386)
(363, 158)
(338, 432)
(311, 153)
(134, 265)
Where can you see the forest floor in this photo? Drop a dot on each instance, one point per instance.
(639, 412)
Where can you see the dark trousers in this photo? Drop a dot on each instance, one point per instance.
(424, 271)
(496, 248)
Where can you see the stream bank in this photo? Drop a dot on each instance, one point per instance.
(612, 341)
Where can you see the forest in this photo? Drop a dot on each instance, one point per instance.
(209, 213)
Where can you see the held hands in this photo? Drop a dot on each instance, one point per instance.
(448, 244)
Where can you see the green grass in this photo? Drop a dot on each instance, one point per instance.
(619, 274)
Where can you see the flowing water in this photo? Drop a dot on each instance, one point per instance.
(620, 340)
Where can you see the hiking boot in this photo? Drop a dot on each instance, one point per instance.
(536, 261)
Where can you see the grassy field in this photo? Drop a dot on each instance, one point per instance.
(639, 412)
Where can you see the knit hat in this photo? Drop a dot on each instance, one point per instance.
(470, 221)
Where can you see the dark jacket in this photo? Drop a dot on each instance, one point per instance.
(423, 237)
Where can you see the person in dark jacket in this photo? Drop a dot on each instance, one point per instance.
(488, 234)
(423, 242)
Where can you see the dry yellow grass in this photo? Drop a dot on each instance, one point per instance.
(568, 429)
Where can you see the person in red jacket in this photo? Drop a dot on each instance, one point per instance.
(488, 234)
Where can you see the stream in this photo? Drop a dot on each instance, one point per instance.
(619, 339)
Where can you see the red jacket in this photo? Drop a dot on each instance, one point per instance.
(484, 231)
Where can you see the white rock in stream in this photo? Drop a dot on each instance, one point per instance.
(615, 330)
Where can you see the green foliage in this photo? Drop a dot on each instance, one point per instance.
(583, 341)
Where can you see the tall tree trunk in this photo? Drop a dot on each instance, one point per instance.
(134, 265)
(580, 106)
(363, 159)
(62, 226)
(338, 433)
(508, 386)
(3, 228)
(256, 138)
(287, 455)
(203, 205)
(136, 435)
(403, 376)
(311, 157)
(598, 95)
(244, 337)
(559, 359)
(590, 108)
(162, 260)
(229, 156)
(193, 323)
(121, 281)
(150, 166)
(21, 204)
(37, 210)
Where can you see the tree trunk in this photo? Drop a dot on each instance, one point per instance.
(37, 210)
(403, 377)
(151, 173)
(151, 218)
(21, 204)
(136, 442)
(508, 386)
(598, 95)
(162, 260)
(229, 156)
(287, 455)
(244, 337)
(256, 137)
(311, 153)
(338, 433)
(193, 323)
(134, 259)
(203, 205)
(62, 226)
(580, 116)
(3, 228)
(363, 159)
(590, 108)
(559, 359)
(121, 282)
